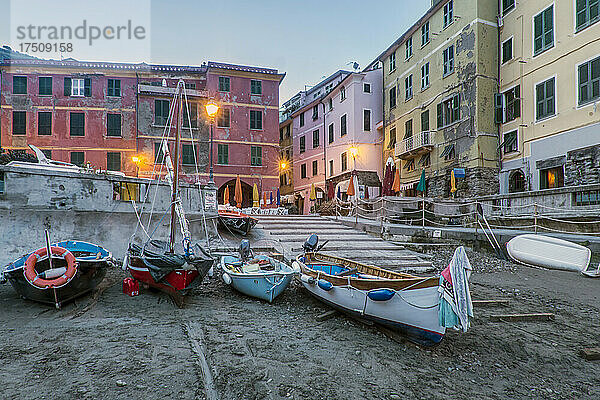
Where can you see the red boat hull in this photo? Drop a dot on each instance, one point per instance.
(178, 281)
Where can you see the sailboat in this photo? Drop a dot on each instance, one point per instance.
(161, 264)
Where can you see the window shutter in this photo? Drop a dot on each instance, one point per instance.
(67, 86)
(538, 33)
(517, 102)
(87, 91)
(456, 108)
(440, 116)
(498, 97)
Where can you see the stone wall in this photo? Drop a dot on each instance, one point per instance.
(582, 166)
(479, 181)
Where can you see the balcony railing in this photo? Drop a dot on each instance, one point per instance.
(419, 143)
(168, 91)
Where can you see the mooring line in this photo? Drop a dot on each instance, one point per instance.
(195, 339)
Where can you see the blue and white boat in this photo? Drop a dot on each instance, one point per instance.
(258, 276)
(76, 268)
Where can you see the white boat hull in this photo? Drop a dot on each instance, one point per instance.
(414, 311)
(548, 252)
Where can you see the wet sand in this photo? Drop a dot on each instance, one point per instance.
(224, 345)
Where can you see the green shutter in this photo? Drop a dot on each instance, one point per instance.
(548, 27)
(538, 34)
(498, 108)
(440, 115)
(67, 87)
(87, 90)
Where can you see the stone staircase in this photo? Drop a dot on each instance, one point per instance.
(290, 231)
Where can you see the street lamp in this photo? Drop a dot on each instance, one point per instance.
(354, 152)
(137, 160)
(211, 110)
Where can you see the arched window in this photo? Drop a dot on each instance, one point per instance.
(516, 182)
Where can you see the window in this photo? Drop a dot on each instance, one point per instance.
(224, 84)
(408, 129)
(425, 34)
(392, 141)
(448, 13)
(408, 48)
(367, 120)
(516, 182)
(425, 121)
(330, 133)
(508, 105)
(552, 178)
(330, 167)
(303, 171)
(366, 87)
(449, 60)
(281, 134)
(114, 88)
(342, 93)
(1, 182)
(77, 87)
(315, 112)
(161, 112)
(19, 123)
(224, 118)
(410, 165)
(587, 13)
(408, 93)
(113, 161)
(77, 122)
(448, 111)
(256, 119)
(544, 99)
(19, 85)
(190, 115)
(47, 154)
(589, 81)
(77, 158)
(510, 143)
(222, 154)
(190, 86)
(302, 144)
(256, 156)
(393, 97)
(44, 123)
(392, 62)
(425, 160)
(583, 198)
(507, 51)
(344, 158)
(188, 156)
(126, 191)
(255, 87)
(507, 5)
(315, 139)
(343, 126)
(449, 153)
(315, 168)
(543, 31)
(301, 120)
(330, 104)
(159, 155)
(45, 86)
(114, 125)
(424, 76)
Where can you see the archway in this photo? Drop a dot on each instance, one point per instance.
(246, 193)
(516, 181)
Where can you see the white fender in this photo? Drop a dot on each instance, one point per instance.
(307, 279)
(226, 278)
(296, 267)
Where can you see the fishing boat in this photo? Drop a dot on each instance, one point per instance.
(163, 264)
(548, 252)
(74, 269)
(235, 220)
(258, 276)
(419, 307)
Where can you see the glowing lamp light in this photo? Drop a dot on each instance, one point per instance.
(354, 151)
(212, 109)
(283, 165)
(136, 159)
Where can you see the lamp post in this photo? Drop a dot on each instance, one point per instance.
(137, 160)
(211, 110)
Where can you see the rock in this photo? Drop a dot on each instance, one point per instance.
(394, 396)
(365, 365)
(121, 383)
(357, 352)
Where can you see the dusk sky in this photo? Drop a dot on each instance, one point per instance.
(305, 39)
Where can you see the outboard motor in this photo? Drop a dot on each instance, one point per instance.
(311, 243)
(244, 250)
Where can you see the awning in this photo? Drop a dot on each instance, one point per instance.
(425, 160)
(508, 141)
(408, 186)
(447, 150)
(409, 164)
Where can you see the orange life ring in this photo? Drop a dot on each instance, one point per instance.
(32, 276)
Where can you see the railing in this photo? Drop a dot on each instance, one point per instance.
(151, 89)
(415, 142)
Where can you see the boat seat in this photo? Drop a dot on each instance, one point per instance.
(250, 268)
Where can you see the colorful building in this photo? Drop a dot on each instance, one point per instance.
(439, 82)
(286, 160)
(110, 114)
(353, 133)
(309, 147)
(549, 95)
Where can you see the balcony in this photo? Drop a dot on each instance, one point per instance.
(168, 91)
(419, 143)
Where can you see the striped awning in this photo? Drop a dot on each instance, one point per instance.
(447, 150)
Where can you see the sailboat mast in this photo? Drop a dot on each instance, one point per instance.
(175, 186)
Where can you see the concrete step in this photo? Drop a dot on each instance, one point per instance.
(290, 217)
(318, 231)
(301, 237)
(334, 246)
(291, 224)
(400, 255)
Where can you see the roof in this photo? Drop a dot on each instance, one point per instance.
(432, 10)
(245, 68)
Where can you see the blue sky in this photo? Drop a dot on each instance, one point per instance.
(305, 39)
